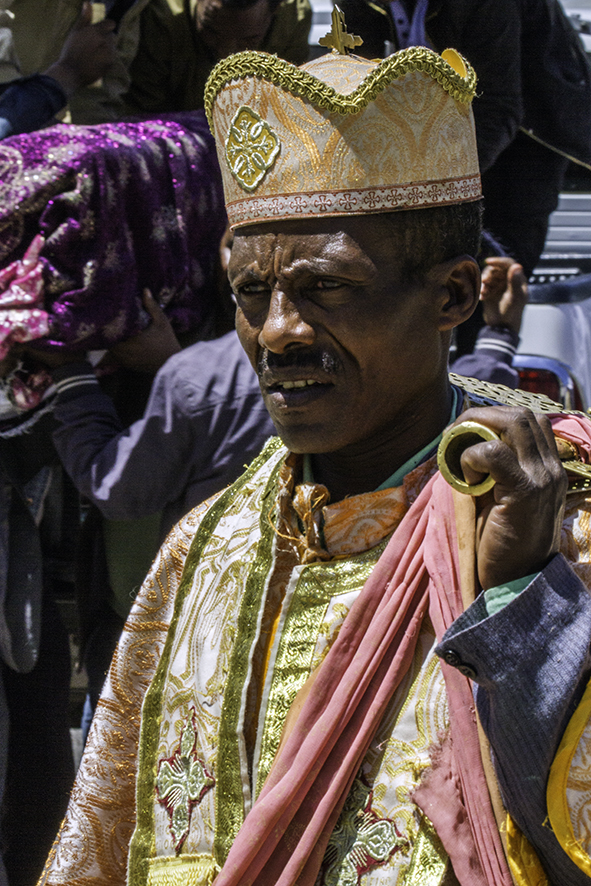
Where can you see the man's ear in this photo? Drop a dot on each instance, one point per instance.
(459, 279)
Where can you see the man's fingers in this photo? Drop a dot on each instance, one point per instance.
(494, 274)
(520, 518)
(525, 436)
(152, 307)
(492, 457)
(524, 458)
(499, 261)
(545, 426)
(526, 440)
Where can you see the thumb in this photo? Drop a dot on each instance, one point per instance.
(85, 17)
(152, 307)
(518, 284)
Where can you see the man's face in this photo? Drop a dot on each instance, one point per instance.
(343, 348)
(228, 30)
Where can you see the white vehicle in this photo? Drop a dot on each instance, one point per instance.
(554, 355)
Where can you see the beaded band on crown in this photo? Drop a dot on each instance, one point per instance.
(283, 207)
(321, 95)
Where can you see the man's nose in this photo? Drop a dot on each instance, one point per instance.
(284, 326)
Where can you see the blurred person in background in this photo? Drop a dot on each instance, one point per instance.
(164, 49)
(34, 34)
(181, 40)
(204, 422)
(89, 216)
(503, 297)
(28, 103)
(533, 78)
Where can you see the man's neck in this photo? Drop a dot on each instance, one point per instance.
(364, 466)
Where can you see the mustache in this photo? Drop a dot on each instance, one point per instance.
(299, 358)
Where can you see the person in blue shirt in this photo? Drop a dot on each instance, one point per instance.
(30, 103)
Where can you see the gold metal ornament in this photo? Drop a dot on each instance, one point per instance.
(459, 438)
(251, 148)
(454, 442)
(337, 38)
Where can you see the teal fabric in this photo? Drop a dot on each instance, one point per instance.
(497, 598)
(398, 476)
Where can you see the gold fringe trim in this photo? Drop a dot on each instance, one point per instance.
(428, 864)
(292, 79)
(524, 864)
(559, 812)
(186, 870)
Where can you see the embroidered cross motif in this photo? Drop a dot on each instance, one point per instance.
(182, 782)
(360, 840)
(251, 148)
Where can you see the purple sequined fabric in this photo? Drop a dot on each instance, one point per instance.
(122, 206)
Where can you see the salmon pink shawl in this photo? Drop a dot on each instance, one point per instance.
(285, 835)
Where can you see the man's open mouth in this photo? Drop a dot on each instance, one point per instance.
(288, 385)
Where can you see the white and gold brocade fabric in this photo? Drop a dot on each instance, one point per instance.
(342, 135)
(91, 848)
(243, 642)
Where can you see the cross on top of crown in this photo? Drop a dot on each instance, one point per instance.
(338, 38)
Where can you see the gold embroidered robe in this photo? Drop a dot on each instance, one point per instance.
(256, 610)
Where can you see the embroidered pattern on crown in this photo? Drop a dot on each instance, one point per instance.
(283, 207)
(292, 79)
(251, 148)
(182, 782)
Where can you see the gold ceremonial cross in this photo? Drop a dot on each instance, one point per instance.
(338, 38)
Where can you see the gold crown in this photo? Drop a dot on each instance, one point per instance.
(343, 135)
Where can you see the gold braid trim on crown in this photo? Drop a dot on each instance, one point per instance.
(298, 82)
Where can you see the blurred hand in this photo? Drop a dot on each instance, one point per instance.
(150, 349)
(50, 359)
(226, 248)
(503, 293)
(88, 52)
(520, 519)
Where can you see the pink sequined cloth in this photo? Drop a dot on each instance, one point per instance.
(22, 317)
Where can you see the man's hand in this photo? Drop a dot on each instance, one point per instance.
(88, 52)
(503, 293)
(519, 520)
(49, 359)
(150, 349)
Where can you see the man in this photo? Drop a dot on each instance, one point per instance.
(181, 40)
(298, 726)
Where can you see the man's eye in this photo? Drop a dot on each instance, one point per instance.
(328, 283)
(251, 289)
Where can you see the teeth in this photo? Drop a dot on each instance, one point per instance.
(288, 385)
